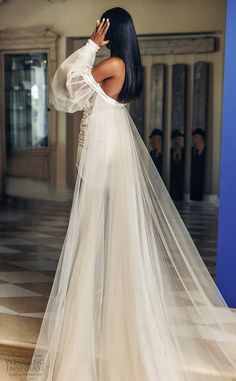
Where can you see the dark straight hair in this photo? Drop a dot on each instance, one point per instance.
(123, 43)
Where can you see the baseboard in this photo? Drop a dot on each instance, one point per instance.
(32, 189)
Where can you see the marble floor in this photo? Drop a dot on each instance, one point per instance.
(31, 237)
(201, 220)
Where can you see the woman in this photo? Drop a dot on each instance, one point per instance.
(132, 299)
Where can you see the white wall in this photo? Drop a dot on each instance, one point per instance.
(74, 17)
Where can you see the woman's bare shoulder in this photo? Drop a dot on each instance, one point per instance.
(116, 62)
(109, 67)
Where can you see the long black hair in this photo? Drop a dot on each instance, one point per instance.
(123, 43)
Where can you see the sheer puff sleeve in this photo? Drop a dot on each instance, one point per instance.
(69, 89)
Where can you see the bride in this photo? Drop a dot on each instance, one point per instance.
(131, 299)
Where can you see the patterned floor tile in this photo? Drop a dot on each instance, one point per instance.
(24, 277)
(9, 290)
(36, 265)
(28, 304)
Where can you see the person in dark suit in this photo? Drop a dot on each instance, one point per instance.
(156, 137)
(198, 164)
(177, 155)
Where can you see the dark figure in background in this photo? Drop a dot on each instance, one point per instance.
(156, 151)
(177, 166)
(198, 164)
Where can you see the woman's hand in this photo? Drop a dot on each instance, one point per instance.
(100, 32)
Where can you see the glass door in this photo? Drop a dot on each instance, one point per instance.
(26, 111)
(26, 100)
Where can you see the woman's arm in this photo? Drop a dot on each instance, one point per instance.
(69, 89)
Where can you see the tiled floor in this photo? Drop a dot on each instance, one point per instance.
(201, 220)
(31, 237)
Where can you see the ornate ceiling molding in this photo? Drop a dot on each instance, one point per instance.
(27, 33)
(30, 38)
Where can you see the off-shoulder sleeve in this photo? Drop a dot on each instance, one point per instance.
(69, 89)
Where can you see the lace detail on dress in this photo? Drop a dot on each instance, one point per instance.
(84, 121)
(84, 125)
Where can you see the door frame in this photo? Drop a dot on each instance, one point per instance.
(29, 40)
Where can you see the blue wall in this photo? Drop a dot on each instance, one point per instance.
(226, 256)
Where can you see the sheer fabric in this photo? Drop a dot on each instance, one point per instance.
(132, 298)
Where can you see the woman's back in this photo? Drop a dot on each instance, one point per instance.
(110, 74)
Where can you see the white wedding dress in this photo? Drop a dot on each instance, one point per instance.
(132, 299)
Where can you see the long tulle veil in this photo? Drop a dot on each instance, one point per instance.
(132, 300)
